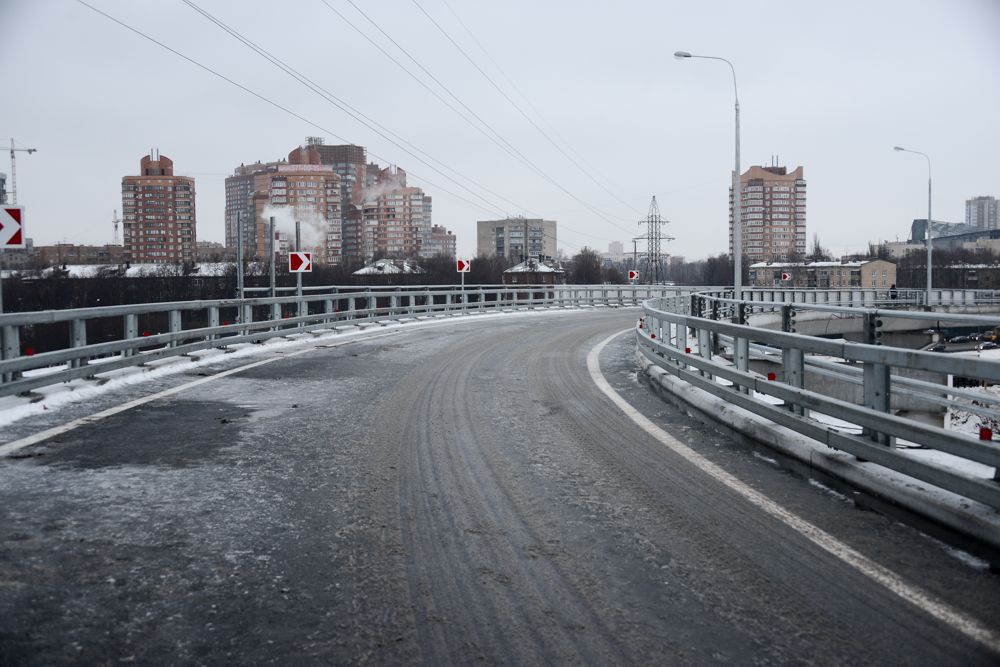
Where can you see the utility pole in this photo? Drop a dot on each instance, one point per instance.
(239, 254)
(115, 222)
(654, 236)
(271, 251)
(13, 169)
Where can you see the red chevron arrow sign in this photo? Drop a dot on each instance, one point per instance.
(11, 226)
(633, 275)
(463, 265)
(300, 262)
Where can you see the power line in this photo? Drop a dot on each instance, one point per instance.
(348, 109)
(493, 210)
(599, 182)
(524, 159)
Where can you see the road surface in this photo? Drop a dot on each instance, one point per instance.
(456, 493)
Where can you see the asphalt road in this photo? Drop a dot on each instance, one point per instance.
(460, 493)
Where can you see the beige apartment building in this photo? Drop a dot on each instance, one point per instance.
(868, 274)
(516, 238)
(158, 213)
(773, 210)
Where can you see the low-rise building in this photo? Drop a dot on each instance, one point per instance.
(871, 274)
(535, 272)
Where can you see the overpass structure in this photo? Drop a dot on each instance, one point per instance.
(396, 484)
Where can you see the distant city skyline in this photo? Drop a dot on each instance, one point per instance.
(614, 119)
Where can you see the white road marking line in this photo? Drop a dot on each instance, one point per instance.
(943, 612)
(17, 445)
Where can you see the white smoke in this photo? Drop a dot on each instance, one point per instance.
(314, 226)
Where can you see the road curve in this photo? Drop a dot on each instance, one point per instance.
(447, 494)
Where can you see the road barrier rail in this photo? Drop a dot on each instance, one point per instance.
(703, 339)
(131, 335)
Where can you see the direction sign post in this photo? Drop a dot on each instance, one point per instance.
(300, 262)
(463, 266)
(11, 236)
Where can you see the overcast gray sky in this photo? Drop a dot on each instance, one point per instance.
(831, 86)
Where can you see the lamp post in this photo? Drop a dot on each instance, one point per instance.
(737, 207)
(930, 245)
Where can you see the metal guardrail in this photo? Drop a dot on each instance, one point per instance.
(181, 327)
(717, 324)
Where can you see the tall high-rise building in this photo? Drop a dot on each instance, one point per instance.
(3, 188)
(516, 238)
(442, 242)
(158, 210)
(392, 224)
(240, 204)
(308, 190)
(982, 212)
(773, 208)
(348, 162)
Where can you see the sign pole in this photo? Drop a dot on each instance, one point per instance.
(298, 248)
(239, 255)
(270, 246)
(463, 287)
(1, 281)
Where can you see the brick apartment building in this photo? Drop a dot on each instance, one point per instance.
(773, 210)
(158, 208)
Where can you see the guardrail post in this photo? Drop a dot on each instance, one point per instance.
(351, 308)
(328, 310)
(877, 380)
(876, 396)
(174, 322)
(10, 349)
(275, 315)
(301, 309)
(788, 319)
(78, 338)
(213, 320)
(741, 355)
(246, 317)
(793, 364)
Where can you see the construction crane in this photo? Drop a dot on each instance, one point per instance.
(115, 221)
(13, 169)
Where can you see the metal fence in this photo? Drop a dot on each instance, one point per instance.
(81, 343)
(703, 339)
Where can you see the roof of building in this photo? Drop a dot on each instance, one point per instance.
(381, 267)
(826, 265)
(534, 266)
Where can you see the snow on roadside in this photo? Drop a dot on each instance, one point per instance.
(52, 397)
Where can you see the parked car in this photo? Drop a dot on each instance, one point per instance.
(959, 339)
(989, 345)
(940, 347)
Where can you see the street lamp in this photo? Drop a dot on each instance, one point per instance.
(930, 246)
(737, 208)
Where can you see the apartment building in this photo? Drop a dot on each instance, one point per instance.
(870, 274)
(158, 211)
(516, 238)
(982, 213)
(773, 211)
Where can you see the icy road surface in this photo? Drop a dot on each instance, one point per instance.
(458, 493)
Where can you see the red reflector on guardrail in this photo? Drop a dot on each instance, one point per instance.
(653, 336)
(29, 351)
(772, 377)
(985, 433)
